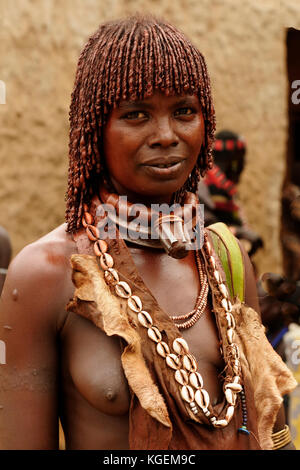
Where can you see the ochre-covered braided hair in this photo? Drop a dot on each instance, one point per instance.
(129, 59)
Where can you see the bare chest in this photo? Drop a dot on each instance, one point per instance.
(92, 361)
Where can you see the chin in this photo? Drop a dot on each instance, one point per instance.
(160, 190)
(146, 188)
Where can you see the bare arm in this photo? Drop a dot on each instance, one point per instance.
(28, 379)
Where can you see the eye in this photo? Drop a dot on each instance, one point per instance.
(134, 115)
(184, 111)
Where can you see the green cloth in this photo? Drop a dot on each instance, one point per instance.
(229, 252)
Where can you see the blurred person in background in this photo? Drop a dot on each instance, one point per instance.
(279, 295)
(5, 255)
(219, 189)
(290, 233)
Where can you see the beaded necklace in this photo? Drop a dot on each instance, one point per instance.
(189, 319)
(179, 359)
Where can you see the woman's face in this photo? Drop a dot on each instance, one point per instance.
(151, 146)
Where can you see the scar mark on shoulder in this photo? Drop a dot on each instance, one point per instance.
(56, 259)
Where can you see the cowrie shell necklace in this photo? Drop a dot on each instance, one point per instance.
(179, 359)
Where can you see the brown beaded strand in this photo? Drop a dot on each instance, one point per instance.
(192, 317)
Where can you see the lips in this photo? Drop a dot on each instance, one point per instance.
(166, 168)
(165, 165)
(164, 162)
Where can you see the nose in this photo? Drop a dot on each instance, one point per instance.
(163, 135)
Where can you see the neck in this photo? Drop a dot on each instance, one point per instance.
(137, 198)
(169, 227)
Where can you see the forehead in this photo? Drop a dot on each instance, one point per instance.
(159, 99)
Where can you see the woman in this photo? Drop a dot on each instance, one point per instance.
(142, 125)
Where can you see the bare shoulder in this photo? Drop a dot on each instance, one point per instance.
(39, 276)
(46, 257)
(57, 247)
